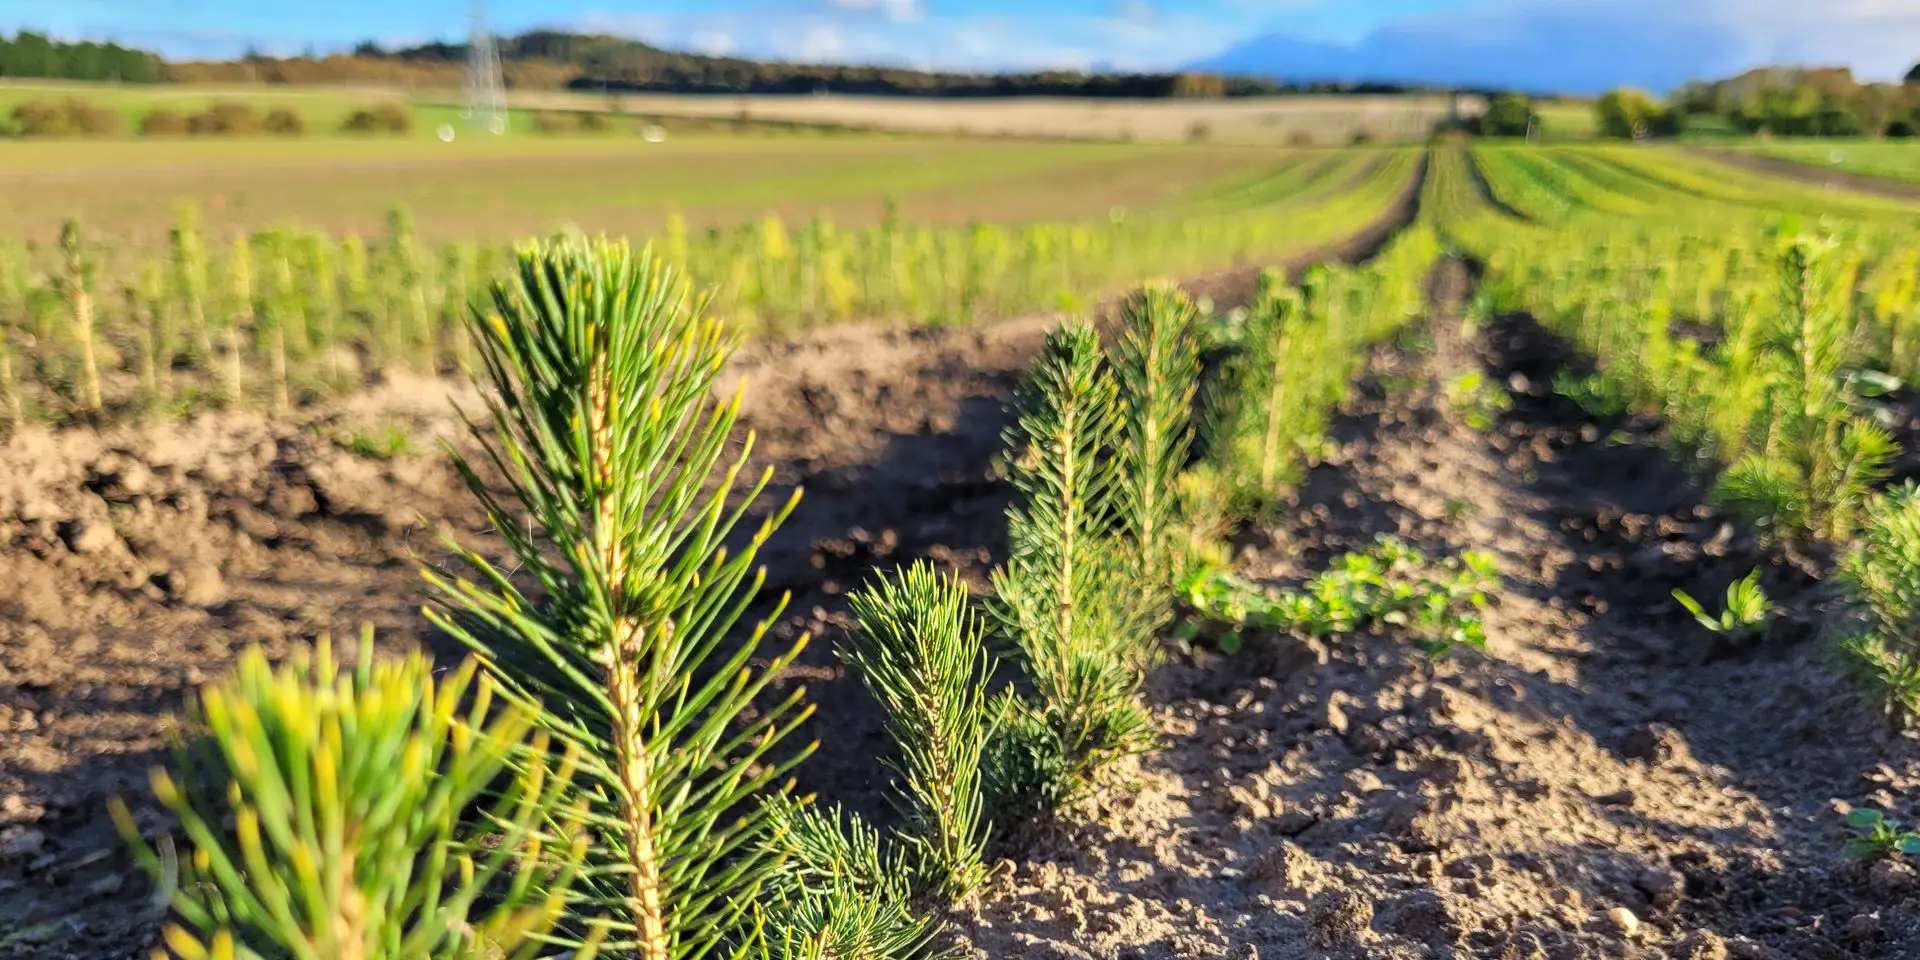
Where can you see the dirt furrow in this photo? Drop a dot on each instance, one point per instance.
(1606, 781)
(137, 562)
(1829, 177)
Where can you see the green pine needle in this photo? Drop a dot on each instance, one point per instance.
(1158, 367)
(322, 811)
(1055, 600)
(841, 892)
(919, 648)
(609, 440)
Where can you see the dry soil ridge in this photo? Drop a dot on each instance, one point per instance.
(137, 561)
(1605, 755)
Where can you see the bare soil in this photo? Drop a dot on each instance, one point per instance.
(137, 562)
(1344, 799)
(1605, 754)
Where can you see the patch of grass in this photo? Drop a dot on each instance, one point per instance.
(1478, 401)
(1388, 584)
(491, 189)
(1744, 614)
(383, 443)
(1895, 159)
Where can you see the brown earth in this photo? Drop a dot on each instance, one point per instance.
(136, 562)
(1604, 753)
(1808, 173)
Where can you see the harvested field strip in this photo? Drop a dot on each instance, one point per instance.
(1813, 171)
(1881, 163)
(1689, 173)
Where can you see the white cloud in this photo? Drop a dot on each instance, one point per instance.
(818, 43)
(847, 31)
(713, 43)
(898, 11)
(1136, 11)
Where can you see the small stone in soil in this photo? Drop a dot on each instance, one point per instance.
(1289, 869)
(1864, 927)
(88, 536)
(20, 842)
(1623, 921)
(196, 585)
(1361, 782)
(1293, 822)
(1332, 717)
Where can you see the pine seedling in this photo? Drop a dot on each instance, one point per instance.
(1883, 576)
(323, 294)
(322, 812)
(1158, 367)
(840, 891)
(282, 321)
(1061, 598)
(919, 648)
(143, 336)
(151, 292)
(1249, 432)
(240, 275)
(609, 444)
(404, 255)
(189, 269)
(1746, 611)
(10, 402)
(1814, 476)
(358, 281)
(76, 287)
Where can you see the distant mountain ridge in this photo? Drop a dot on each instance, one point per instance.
(548, 59)
(1608, 56)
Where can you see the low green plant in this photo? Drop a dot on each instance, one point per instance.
(919, 648)
(1878, 836)
(322, 812)
(1061, 600)
(1883, 575)
(383, 443)
(1390, 583)
(1157, 367)
(1746, 611)
(840, 891)
(1598, 395)
(1477, 400)
(601, 371)
(1820, 461)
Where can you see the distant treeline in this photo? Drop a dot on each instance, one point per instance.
(34, 56)
(1805, 102)
(546, 59)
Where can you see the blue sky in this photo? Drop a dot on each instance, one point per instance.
(1541, 44)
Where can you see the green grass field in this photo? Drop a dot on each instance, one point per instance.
(1568, 119)
(492, 190)
(1892, 158)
